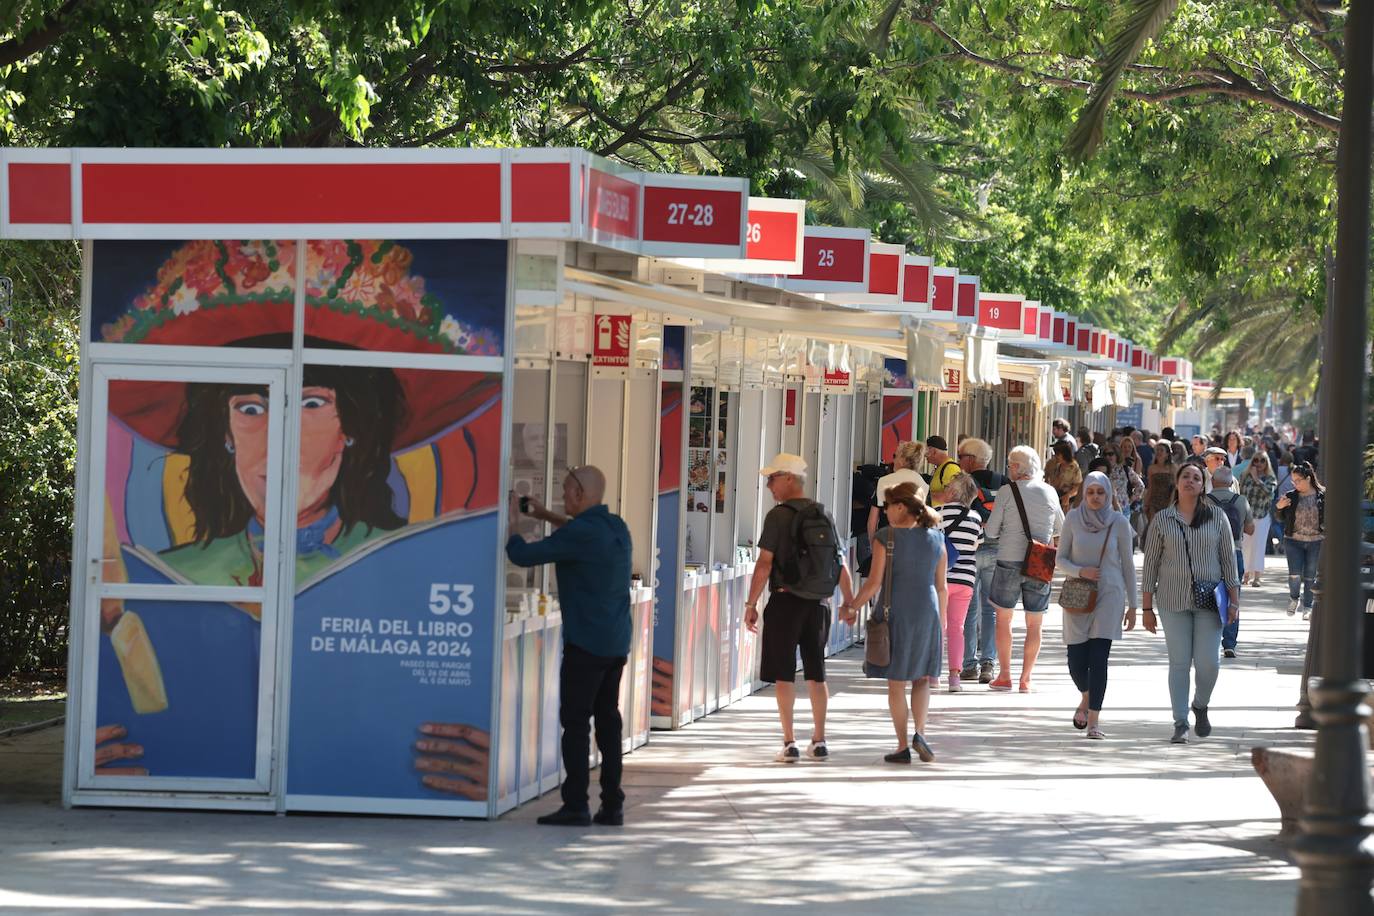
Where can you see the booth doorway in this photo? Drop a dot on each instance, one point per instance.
(166, 442)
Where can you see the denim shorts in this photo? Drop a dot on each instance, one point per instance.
(1009, 584)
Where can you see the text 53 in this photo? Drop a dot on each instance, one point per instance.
(456, 598)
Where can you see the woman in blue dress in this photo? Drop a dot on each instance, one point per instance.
(909, 563)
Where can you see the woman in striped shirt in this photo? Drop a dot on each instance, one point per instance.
(964, 528)
(1188, 542)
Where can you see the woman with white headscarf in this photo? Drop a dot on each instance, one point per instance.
(1096, 546)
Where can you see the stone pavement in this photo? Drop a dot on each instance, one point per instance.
(1019, 814)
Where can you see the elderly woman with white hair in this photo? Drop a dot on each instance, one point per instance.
(1027, 509)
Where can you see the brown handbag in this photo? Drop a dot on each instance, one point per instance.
(1078, 595)
(1040, 557)
(877, 636)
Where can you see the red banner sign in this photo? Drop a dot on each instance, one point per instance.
(968, 298)
(693, 215)
(942, 299)
(884, 273)
(612, 205)
(789, 407)
(284, 192)
(1002, 312)
(772, 235)
(611, 340)
(916, 284)
(836, 260)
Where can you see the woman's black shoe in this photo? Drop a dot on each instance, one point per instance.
(567, 817)
(902, 756)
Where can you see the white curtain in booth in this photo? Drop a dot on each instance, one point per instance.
(980, 361)
(925, 359)
(1122, 390)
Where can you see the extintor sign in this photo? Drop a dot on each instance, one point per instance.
(611, 341)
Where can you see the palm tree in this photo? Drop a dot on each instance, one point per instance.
(1139, 22)
(1262, 332)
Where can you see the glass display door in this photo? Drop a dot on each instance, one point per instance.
(182, 567)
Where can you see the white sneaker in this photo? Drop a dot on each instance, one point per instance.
(1307, 613)
(789, 753)
(1292, 606)
(818, 751)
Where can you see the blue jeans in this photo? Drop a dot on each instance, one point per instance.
(1231, 631)
(980, 626)
(1302, 568)
(1194, 640)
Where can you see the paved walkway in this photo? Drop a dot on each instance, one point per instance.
(1019, 814)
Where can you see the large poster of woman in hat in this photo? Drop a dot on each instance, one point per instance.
(395, 516)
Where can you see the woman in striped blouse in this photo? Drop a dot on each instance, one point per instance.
(1188, 542)
(964, 528)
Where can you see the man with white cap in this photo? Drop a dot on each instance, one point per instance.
(801, 562)
(1214, 458)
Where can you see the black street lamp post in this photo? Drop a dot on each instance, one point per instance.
(1334, 849)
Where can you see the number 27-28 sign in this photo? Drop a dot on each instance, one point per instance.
(680, 215)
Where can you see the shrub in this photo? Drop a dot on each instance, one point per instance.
(38, 398)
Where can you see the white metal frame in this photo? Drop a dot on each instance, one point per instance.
(87, 578)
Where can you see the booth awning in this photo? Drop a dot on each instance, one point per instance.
(880, 333)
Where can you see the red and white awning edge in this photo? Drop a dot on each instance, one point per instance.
(554, 194)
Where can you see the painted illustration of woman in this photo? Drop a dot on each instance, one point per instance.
(361, 430)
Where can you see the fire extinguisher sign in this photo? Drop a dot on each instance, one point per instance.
(611, 341)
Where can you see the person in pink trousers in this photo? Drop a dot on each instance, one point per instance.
(963, 528)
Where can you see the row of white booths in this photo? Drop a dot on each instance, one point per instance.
(391, 342)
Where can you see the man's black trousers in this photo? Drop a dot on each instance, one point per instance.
(589, 688)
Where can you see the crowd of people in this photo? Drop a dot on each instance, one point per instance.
(957, 550)
(950, 555)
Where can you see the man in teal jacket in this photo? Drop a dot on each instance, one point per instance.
(590, 551)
